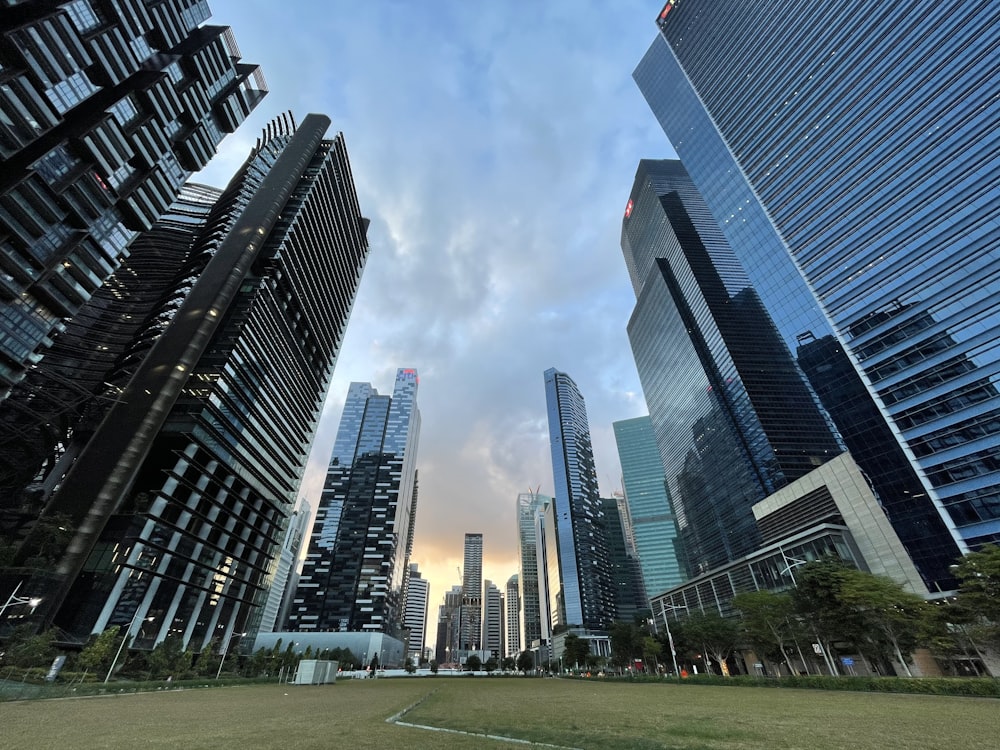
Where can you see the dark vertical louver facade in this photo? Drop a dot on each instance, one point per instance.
(180, 496)
(106, 108)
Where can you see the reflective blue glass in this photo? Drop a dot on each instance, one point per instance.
(852, 156)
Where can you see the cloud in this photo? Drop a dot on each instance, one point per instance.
(493, 146)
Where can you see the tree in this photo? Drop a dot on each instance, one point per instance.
(891, 617)
(525, 662)
(626, 643)
(817, 600)
(169, 658)
(978, 576)
(509, 664)
(575, 650)
(717, 635)
(97, 655)
(409, 667)
(766, 620)
(434, 666)
(25, 648)
(473, 663)
(490, 665)
(652, 649)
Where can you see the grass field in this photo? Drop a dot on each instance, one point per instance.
(591, 715)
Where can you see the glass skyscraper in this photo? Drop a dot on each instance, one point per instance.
(733, 417)
(654, 527)
(856, 174)
(536, 621)
(586, 597)
(471, 625)
(178, 483)
(106, 109)
(353, 576)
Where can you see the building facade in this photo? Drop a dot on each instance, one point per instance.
(178, 500)
(654, 527)
(587, 595)
(535, 621)
(107, 109)
(733, 417)
(626, 574)
(285, 578)
(471, 626)
(354, 572)
(415, 619)
(855, 176)
(512, 617)
(493, 620)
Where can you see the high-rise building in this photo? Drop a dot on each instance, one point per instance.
(734, 418)
(854, 175)
(449, 614)
(587, 595)
(626, 575)
(353, 575)
(654, 527)
(106, 109)
(471, 627)
(415, 617)
(179, 496)
(512, 612)
(493, 620)
(536, 621)
(285, 578)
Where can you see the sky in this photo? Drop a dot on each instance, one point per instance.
(493, 146)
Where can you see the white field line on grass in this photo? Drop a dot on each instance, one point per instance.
(397, 720)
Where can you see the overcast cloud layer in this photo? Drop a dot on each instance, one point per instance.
(493, 145)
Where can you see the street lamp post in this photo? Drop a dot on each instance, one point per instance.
(13, 600)
(670, 638)
(225, 652)
(125, 637)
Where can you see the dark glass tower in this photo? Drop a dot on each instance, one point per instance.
(106, 108)
(353, 576)
(733, 417)
(626, 575)
(586, 597)
(179, 495)
(855, 174)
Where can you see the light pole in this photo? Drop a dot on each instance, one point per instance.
(225, 652)
(13, 600)
(670, 638)
(128, 633)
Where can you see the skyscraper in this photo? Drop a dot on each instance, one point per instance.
(471, 627)
(626, 575)
(352, 578)
(179, 496)
(285, 578)
(512, 613)
(733, 416)
(493, 620)
(535, 620)
(587, 594)
(106, 109)
(449, 614)
(415, 618)
(654, 527)
(854, 174)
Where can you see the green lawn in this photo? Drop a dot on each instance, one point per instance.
(583, 714)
